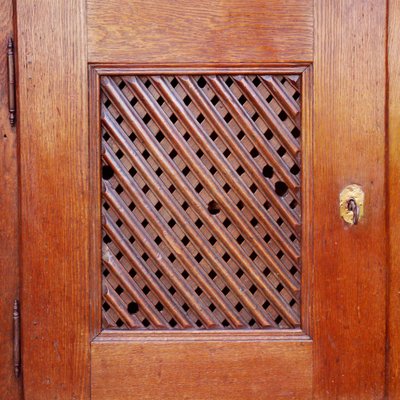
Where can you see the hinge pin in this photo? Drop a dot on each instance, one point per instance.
(11, 82)
(17, 339)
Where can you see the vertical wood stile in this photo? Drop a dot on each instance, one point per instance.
(349, 97)
(393, 354)
(53, 144)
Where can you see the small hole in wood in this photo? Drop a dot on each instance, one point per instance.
(281, 188)
(213, 207)
(107, 172)
(268, 171)
(133, 307)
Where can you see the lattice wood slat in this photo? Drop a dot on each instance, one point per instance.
(201, 201)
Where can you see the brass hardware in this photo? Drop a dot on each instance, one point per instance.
(353, 207)
(17, 339)
(11, 82)
(351, 204)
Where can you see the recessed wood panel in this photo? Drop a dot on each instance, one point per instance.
(142, 31)
(200, 370)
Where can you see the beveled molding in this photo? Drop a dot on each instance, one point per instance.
(204, 336)
(307, 256)
(193, 68)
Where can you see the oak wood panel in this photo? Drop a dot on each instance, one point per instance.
(54, 198)
(204, 31)
(200, 370)
(393, 366)
(9, 388)
(349, 319)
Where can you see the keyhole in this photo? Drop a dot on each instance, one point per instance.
(213, 207)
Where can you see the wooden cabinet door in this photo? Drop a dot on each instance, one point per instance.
(181, 165)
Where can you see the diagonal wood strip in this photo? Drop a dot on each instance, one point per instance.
(125, 247)
(294, 81)
(221, 127)
(174, 243)
(208, 181)
(252, 131)
(141, 234)
(202, 244)
(162, 262)
(119, 306)
(107, 320)
(265, 111)
(230, 175)
(139, 127)
(278, 91)
(129, 284)
(130, 116)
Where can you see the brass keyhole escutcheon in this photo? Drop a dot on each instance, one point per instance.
(351, 204)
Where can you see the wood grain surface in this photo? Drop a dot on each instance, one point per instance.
(346, 41)
(201, 370)
(9, 387)
(204, 31)
(393, 366)
(350, 262)
(54, 198)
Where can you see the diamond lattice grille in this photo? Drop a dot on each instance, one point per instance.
(201, 201)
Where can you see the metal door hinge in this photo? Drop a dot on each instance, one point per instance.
(11, 82)
(17, 339)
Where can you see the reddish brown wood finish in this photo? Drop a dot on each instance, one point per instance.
(350, 263)
(54, 198)
(393, 359)
(290, 339)
(198, 370)
(201, 32)
(9, 385)
(60, 214)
